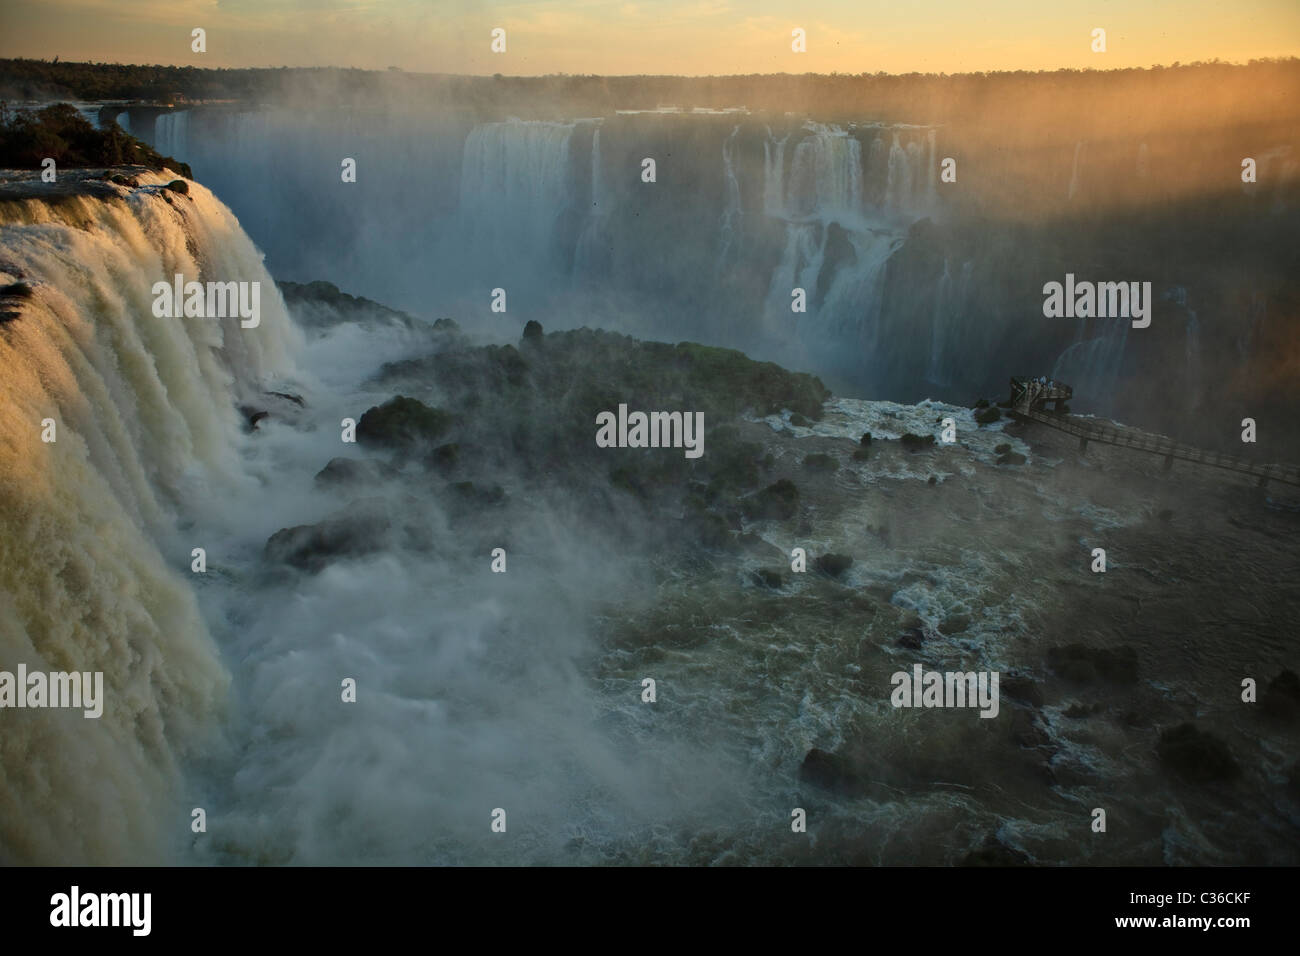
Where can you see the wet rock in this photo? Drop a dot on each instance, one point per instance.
(799, 420)
(833, 565)
(1080, 711)
(865, 439)
(1020, 687)
(820, 462)
(933, 480)
(1281, 698)
(1196, 755)
(1082, 664)
(912, 638)
(1002, 449)
(402, 422)
(288, 397)
(779, 500)
(16, 290)
(346, 472)
(913, 442)
(987, 416)
(533, 331)
(995, 853)
(1012, 458)
(831, 772)
(1027, 730)
(767, 578)
(253, 416)
(312, 547)
(179, 186)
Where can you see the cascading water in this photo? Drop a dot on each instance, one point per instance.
(515, 186)
(92, 566)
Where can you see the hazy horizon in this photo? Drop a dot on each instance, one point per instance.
(675, 38)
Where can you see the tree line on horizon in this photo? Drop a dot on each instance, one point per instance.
(909, 97)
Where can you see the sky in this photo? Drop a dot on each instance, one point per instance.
(690, 37)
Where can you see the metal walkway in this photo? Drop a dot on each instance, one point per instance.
(1026, 402)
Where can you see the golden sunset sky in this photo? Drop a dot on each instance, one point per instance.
(691, 37)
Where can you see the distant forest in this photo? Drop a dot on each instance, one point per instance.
(924, 98)
(59, 132)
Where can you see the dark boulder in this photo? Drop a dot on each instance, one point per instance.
(348, 472)
(1012, 458)
(312, 547)
(914, 442)
(1281, 698)
(831, 772)
(1082, 664)
(779, 500)
(995, 853)
(833, 565)
(401, 423)
(1196, 755)
(767, 578)
(179, 186)
(987, 416)
(1021, 687)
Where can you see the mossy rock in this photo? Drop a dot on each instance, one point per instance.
(779, 500)
(312, 547)
(401, 423)
(982, 403)
(342, 472)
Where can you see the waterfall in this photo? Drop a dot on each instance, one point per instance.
(586, 257)
(1074, 169)
(94, 575)
(898, 187)
(515, 186)
(825, 177)
(732, 210)
(171, 134)
(774, 176)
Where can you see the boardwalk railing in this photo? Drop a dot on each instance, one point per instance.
(1158, 445)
